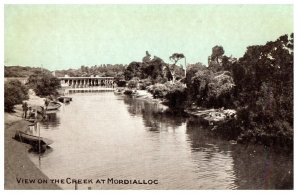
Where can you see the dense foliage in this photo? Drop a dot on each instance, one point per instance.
(133, 83)
(19, 71)
(209, 89)
(154, 69)
(259, 85)
(104, 70)
(14, 93)
(44, 84)
(174, 94)
(264, 89)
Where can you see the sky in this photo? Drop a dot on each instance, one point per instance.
(68, 36)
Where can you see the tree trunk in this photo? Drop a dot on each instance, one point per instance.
(173, 76)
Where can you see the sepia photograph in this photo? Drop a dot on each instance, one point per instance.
(148, 97)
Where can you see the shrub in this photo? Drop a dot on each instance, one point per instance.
(14, 93)
(132, 84)
(158, 90)
(211, 89)
(121, 83)
(220, 85)
(143, 84)
(128, 92)
(176, 96)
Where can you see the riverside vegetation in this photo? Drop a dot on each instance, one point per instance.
(259, 86)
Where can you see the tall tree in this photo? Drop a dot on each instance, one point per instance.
(215, 60)
(217, 53)
(175, 57)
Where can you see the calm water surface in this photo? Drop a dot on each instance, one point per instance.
(100, 136)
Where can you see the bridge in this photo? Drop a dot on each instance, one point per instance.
(87, 84)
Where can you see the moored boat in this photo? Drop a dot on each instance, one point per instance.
(32, 140)
(118, 91)
(64, 99)
(53, 106)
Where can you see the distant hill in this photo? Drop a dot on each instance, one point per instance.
(19, 71)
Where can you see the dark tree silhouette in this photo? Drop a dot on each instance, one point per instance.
(175, 57)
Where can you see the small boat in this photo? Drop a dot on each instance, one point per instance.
(53, 106)
(32, 140)
(31, 120)
(64, 99)
(118, 91)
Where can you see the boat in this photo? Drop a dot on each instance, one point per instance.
(32, 140)
(64, 99)
(53, 106)
(118, 91)
(31, 120)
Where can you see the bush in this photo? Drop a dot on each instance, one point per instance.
(14, 93)
(158, 90)
(176, 96)
(143, 84)
(128, 92)
(220, 89)
(132, 84)
(121, 83)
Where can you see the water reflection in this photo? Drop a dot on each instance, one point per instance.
(212, 160)
(107, 136)
(152, 115)
(259, 167)
(243, 167)
(51, 120)
(253, 166)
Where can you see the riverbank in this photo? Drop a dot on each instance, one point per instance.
(224, 123)
(147, 96)
(16, 160)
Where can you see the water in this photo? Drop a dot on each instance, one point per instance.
(100, 136)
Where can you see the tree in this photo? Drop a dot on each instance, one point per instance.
(264, 83)
(208, 88)
(147, 58)
(152, 68)
(19, 71)
(198, 87)
(215, 61)
(192, 69)
(133, 70)
(14, 93)
(217, 53)
(220, 89)
(175, 57)
(44, 84)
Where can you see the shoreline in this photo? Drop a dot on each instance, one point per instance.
(17, 163)
(221, 121)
